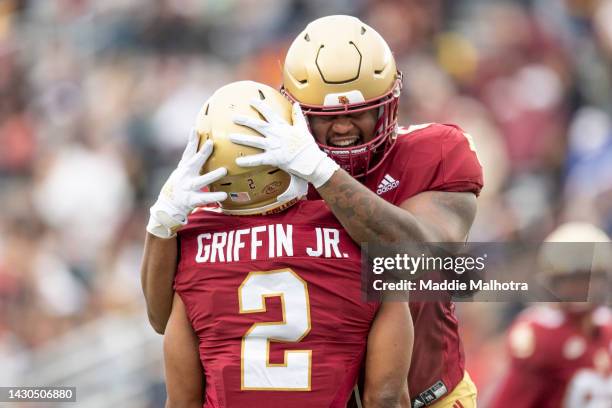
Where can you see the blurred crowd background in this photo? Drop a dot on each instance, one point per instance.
(97, 98)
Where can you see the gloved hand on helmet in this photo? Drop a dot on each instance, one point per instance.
(182, 191)
(290, 147)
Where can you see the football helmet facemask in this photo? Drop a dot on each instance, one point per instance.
(339, 66)
(253, 190)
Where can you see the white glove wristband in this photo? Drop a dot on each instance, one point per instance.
(162, 225)
(181, 193)
(323, 172)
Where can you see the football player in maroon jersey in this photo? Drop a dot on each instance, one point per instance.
(395, 184)
(268, 290)
(384, 183)
(561, 354)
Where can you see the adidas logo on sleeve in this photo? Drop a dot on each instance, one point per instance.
(386, 184)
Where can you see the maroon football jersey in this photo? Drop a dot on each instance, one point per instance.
(277, 306)
(556, 363)
(431, 157)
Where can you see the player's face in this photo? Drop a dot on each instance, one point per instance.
(591, 285)
(344, 130)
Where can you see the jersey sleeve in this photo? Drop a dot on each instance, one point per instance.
(436, 157)
(459, 169)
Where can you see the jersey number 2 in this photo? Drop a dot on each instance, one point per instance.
(256, 371)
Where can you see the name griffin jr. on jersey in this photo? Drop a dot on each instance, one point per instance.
(231, 246)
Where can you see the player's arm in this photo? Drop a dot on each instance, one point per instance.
(184, 377)
(157, 274)
(179, 196)
(388, 357)
(431, 216)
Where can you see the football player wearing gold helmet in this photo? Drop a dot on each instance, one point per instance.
(559, 354)
(234, 296)
(392, 184)
(182, 192)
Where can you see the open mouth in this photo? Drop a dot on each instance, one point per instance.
(344, 141)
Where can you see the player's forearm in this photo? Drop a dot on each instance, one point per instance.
(183, 371)
(367, 217)
(388, 357)
(386, 401)
(157, 275)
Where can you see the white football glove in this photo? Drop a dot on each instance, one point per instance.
(290, 147)
(181, 192)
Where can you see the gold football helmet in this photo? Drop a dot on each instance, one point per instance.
(339, 65)
(575, 247)
(254, 190)
(575, 262)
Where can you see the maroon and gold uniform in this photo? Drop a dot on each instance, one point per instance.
(431, 157)
(558, 361)
(276, 304)
(439, 158)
